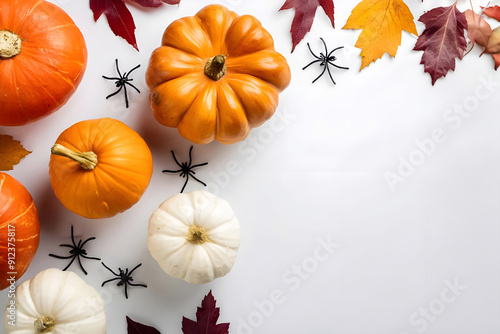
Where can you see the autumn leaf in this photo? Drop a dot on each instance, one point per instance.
(382, 22)
(493, 45)
(206, 319)
(11, 152)
(496, 58)
(119, 18)
(442, 41)
(493, 12)
(304, 16)
(134, 327)
(478, 30)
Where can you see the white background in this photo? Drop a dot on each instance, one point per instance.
(315, 173)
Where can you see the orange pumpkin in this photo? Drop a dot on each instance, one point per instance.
(19, 229)
(42, 59)
(100, 167)
(216, 76)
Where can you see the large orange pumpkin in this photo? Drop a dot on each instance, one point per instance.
(216, 76)
(19, 229)
(100, 167)
(42, 59)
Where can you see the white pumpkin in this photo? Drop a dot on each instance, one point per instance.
(194, 236)
(57, 302)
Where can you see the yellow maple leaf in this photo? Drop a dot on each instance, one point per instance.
(11, 152)
(382, 22)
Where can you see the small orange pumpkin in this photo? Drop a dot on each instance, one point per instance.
(43, 57)
(100, 167)
(19, 229)
(216, 76)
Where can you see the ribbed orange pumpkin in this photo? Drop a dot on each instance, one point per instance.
(100, 167)
(19, 229)
(42, 59)
(216, 76)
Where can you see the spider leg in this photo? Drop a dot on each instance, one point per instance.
(137, 266)
(113, 94)
(89, 239)
(61, 257)
(340, 47)
(313, 62)
(199, 165)
(324, 44)
(138, 284)
(81, 265)
(319, 76)
(111, 78)
(110, 269)
(109, 280)
(175, 159)
(117, 69)
(190, 158)
(310, 50)
(171, 171)
(185, 183)
(330, 73)
(337, 66)
(126, 97)
(89, 257)
(66, 245)
(194, 177)
(138, 91)
(126, 75)
(70, 262)
(126, 294)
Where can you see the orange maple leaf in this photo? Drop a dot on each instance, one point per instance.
(11, 152)
(382, 22)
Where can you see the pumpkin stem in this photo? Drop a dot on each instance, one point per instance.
(10, 44)
(86, 160)
(215, 67)
(197, 235)
(44, 325)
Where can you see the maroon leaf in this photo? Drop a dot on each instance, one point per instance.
(138, 328)
(206, 319)
(442, 41)
(156, 3)
(119, 18)
(304, 16)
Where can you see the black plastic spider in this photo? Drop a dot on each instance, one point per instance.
(76, 252)
(122, 81)
(325, 59)
(124, 277)
(186, 169)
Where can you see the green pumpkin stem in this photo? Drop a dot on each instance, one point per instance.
(10, 44)
(215, 67)
(86, 160)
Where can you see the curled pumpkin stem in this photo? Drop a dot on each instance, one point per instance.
(215, 68)
(10, 44)
(86, 160)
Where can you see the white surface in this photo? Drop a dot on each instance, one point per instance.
(314, 174)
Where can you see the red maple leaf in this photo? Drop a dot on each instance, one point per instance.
(493, 12)
(206, 319)
(119, 18)
(442, 41)
(304, 16)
